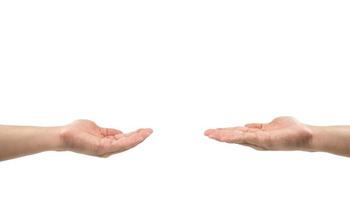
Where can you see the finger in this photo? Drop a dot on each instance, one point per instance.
(254, 125)
(238, 135)
(106, 155)
(230, 135)
(254, 147)
(129, 140)
(115, 137)
(239, 128)
(110, 131)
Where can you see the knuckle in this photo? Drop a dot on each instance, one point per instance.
(265, 141)
(268, 142)
(99, 148)
(250, 137)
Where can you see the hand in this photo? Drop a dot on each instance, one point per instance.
(84, 136)
(283, 133)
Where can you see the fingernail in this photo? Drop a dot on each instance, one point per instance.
(150, 130)
(209, 132)
(146, 131)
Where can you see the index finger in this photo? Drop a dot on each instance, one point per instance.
(239, 135)
(130, 140)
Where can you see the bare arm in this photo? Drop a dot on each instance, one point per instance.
(81, 136)
(18, 141)
(286, 133)
(332, 139)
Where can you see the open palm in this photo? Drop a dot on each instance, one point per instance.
(84, 136)
(283, 133)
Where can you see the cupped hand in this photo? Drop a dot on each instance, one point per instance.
(84, 136)
(283, 133)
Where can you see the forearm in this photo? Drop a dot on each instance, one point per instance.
(332, 139)
(16, 141)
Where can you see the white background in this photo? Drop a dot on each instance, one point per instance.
(178, 67)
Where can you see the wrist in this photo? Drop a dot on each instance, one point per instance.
(54, 141)
(315, 143)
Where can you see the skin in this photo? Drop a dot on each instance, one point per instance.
(84, 136)
(287, 134)
(81, 136)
